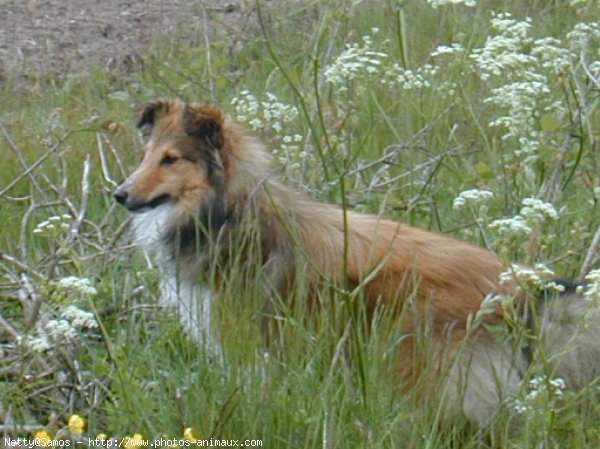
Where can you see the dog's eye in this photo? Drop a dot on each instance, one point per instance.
(168, 160)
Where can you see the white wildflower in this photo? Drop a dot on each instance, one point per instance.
(591, 291)
(505, 50)
(553, 286)
(541, 385)
(448, 50)
(511, 227)
(39, 343)
(582, 34)
(83, 286)
(61, 330)
(471, 197)
(522, 276)
(540, 396)
(543, 270)
(436, 3)
(79, 318)
(535, 210)
(551, 55)
(520, 406)
(52, 226)
(558, 385)
(269, 114)
(521, 71)
(356, 61)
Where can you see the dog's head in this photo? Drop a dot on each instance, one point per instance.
(183, 161)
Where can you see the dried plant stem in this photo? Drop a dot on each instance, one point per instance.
(590, 256)
(211, 76)
(37, 163)
(31, 301)
(21, 266)
(19, 153)
(85, 199)
(103, 161)
(7, 328)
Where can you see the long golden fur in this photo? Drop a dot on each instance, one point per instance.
(202, 178)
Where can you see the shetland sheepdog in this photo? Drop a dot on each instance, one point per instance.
(204, 183)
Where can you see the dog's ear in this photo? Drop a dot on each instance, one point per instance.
(204, 124)
(148, 114)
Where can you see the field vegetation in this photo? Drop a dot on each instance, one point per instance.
(476, 119)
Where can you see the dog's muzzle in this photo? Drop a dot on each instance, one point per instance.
(122, 197)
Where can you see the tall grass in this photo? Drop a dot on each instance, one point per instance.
(360, 106)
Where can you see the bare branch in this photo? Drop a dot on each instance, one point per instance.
(103, 161)
(40, 160)
(19, 153)
(590, 256)
(21, 266)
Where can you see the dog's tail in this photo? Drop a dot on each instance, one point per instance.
(559, 338)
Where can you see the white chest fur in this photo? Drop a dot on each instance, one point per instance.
(181, 290)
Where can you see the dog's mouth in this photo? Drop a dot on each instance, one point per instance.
(138, 208)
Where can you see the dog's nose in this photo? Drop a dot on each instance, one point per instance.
(120, 195)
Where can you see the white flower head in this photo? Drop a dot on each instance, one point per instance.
(511, 227)
(268, 114)
(536, 211)
(436, 3)
(448, 50)
(61, 330)
(473, 197)
(520, 275)
(82, 286)
(79, 318)
(53, 226)
(582, 33)
(591, 291)
(356, 61)
(39, 343)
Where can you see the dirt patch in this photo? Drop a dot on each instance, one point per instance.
(57, 37)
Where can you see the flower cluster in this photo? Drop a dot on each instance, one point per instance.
(67, 327)
(419, 78)
(521, 276)
(591, 291)
(582, 34)
(521, 71)
(451, 49)
(511, 227)
(473, 197)
(355, 62)
(362, 62)
(542, 393)
(537, 211)
(79, 318)
(527, 277)
(436, 3)
(271, 115)
(74, 284)
(534, 212)
(53, 226)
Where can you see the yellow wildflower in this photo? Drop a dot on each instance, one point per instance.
(76, 424)
(42, 438)
(188, 434)
(134, 442)
(102, 437)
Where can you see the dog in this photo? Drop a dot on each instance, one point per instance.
(204, 194)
